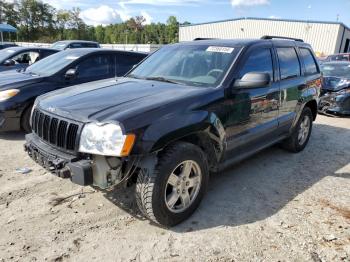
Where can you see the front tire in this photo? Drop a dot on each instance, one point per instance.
(301, 133)
(174, 190)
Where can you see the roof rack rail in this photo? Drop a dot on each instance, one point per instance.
(281, 37)
(203, 38)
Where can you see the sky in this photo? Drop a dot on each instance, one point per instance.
(198, 11)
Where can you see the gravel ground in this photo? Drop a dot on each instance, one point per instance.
(275, 206)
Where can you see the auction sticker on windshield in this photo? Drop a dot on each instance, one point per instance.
(220, 49)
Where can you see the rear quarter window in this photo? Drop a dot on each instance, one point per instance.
(309, 61)
(289, 62)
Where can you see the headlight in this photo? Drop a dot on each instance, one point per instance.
(105, 139)
(7, 94)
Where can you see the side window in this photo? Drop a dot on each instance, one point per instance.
(289, 62)
(89, 45)
(309, 61)
(126, 62)
(26, 58)
(260, 60)
(96, 66)
(75, 45)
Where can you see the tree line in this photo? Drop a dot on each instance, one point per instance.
(40, 22)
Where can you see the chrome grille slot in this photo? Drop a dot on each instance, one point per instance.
(58, 132)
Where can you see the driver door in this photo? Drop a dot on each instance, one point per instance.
(252, 119)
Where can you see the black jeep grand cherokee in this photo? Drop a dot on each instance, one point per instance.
(187, 110)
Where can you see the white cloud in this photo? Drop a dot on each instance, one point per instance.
(243, 3)
(162, 2)
(103, 15)
(274, 17)
(67, 4)
(147, 16)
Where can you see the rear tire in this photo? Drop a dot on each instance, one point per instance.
(301, 133)
(25, 120)
(174, 190)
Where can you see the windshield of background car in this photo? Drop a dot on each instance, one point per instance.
(198, 65)
(5, 54)
(342, 57)
(59, 46)
(52, 64)
(336, 70)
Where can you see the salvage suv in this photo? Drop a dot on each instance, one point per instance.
(187, 110)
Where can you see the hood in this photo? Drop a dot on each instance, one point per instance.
(113, 100)
(14, 79)
(335, 84)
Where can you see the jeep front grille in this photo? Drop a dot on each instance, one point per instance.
(58, 132)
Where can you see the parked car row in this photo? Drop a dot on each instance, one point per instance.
(186, 110)
(19, 89)
(21, 57)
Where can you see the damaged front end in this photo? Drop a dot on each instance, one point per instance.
(84, 169)
(335, 96)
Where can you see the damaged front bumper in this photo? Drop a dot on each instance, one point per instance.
(334, 103)
(64, 165)
(100, 171)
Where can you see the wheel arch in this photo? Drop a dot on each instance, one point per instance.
(312, 104)
(206, 133)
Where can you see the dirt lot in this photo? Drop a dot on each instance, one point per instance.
(275, 206)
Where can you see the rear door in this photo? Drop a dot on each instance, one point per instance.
(291, 82)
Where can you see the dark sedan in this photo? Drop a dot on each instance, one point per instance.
(6, 45)
(335, 96)
(18, 89)
(71, 44)
(21, 57)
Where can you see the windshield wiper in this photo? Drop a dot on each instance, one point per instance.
(134, 76)
(161, 79)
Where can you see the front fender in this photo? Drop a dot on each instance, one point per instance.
(204, 125)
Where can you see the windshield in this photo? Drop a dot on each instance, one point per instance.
(52, 64)
(199, 65)
(5, 54)
(336, 69)
(340, 57)
(59, 45)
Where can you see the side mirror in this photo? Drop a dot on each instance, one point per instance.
(9, 62)
(253, 80)
(71, 74)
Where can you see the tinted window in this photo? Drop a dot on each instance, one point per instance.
(126, 62)
(89, 45)
(309, 61)
(289, 62)
(96, 66)
(259, 60)
(342, 57)
(75, 45)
